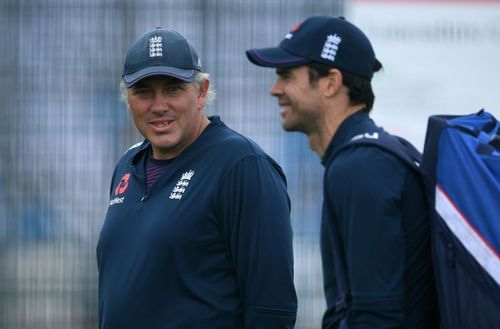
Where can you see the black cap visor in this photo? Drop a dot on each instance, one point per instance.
(186, 75)
(274, 57)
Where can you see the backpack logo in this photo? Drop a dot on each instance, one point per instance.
(155, 47)
(330, 47)
(182, 184)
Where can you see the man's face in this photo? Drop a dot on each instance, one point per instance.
(167, 112)
(299, 100)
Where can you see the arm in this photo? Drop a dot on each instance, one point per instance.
(365, 186)
(255, 212)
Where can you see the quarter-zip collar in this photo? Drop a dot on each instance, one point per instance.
(358, 122)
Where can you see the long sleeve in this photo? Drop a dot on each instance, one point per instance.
(255, 214)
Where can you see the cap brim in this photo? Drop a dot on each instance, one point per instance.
(186, 75)
(274, 57)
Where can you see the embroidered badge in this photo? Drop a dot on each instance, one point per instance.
(295, 28)
(155, 47)
(181, 185)
(331, 46)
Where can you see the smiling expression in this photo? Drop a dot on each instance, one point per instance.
(299, 100)
(168, 113)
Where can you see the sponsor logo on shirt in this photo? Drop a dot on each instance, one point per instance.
(122, 185)
(120, 189)
(116, 200)
(180, 187)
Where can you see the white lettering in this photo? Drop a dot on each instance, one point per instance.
(116, 200)
(366, 135)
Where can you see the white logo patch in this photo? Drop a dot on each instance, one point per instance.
(366, 135)
(181, 185)
(331, 46)
(155, 47)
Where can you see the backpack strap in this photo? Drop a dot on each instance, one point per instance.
(395, 145)
(400, 148)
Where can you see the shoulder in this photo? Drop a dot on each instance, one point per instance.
(236, 152)
(366, 159)
(234, 145)
(368, 169)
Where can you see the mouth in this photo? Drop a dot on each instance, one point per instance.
(283, 103)
(283, 107)
(159, 124)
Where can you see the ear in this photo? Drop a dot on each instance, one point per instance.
(333, 83)
(202, 94)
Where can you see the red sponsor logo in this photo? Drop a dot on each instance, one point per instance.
(122, 186)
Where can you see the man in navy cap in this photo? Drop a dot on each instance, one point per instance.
(375, 241)
(197, 233)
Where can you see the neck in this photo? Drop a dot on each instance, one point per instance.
(320, 139)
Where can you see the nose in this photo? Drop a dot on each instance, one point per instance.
(277, 88)
(160, 103)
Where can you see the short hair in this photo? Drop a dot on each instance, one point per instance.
(198, 80)
(359, 89)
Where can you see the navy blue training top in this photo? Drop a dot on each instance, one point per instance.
(210, 246)
(378, 206)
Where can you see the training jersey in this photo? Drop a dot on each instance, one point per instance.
(377, 206)
(209, 246)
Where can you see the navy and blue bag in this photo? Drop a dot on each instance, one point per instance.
(460, 167)
(461, 163)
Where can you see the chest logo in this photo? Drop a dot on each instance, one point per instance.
(122, 186)
(120, 189)
(181, 185)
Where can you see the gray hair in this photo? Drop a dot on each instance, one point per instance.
(198, 80)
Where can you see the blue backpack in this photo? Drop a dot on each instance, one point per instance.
(460, 167)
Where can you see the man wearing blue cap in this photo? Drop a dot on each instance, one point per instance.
(197, 233)
(375, 241)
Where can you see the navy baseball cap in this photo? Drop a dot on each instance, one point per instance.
(327, 40)
(160, 52)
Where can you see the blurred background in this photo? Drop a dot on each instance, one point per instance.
(63, 126)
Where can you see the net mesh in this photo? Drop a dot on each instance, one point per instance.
(63, 127)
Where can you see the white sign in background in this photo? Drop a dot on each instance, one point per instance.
(440, 57)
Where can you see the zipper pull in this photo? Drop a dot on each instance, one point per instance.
(144, 197)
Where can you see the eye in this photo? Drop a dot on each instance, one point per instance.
(284, 74)
(173, 88)
(141, 91)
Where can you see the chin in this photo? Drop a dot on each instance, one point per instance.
(288, 126)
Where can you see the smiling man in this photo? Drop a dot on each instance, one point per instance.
(197, 233)
(375, 240)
